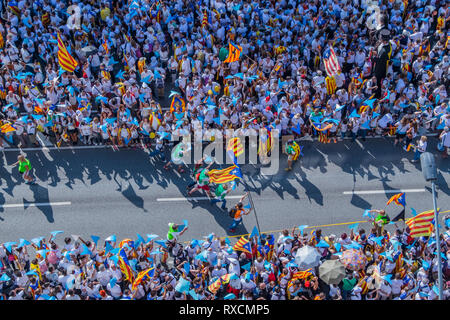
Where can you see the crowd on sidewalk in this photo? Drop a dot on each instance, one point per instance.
(392, 76)
(371, 265)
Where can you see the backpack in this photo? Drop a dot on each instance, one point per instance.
(232, 212)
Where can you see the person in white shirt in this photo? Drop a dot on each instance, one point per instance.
(396, 284)
(445, 141)
(72, 296)
(420, 148)
(385, 290)
(86, 132)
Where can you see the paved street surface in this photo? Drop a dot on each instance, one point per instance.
(103, 192)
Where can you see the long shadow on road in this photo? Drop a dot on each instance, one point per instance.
(377, 160)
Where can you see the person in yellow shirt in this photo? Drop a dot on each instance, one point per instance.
(104, 13)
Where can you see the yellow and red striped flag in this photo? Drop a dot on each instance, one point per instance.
(440, 23)
(2, 41)
(421, 225)
(105, 45)
(331, 85)
(224, 175)
(143, 275)
(409, 147)
(234, 52)
(45, 19)
(141, 65)
(66, 61)
(243, 245)
(235, 146)
(298, 276)
(13, 6)
(302, 274)
(6, 128)
(205, 19)
(213, 287)
(363, 285)
(38, 109)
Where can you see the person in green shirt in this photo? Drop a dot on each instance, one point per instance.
(202, 182)
(292, 150)
(221, 191)
(381, 220)
(24, 168)
(348, 283)
(175, 231)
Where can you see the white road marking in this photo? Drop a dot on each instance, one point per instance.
(39, 204)
(384, 191)
(192, 198)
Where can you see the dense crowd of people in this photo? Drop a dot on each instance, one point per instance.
(151, 69)
(389, 265)
(392, 79)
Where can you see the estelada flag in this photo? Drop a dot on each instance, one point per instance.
(6, 128)
(225, 175)
(178, 104)
(143, 275)
(399, 199)
(13, 6)
(65, 60)
(243, 245)
(234, 52)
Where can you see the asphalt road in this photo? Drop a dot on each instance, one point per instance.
(103, 192)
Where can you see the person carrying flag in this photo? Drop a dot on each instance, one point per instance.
(237, 212)
(175, 231)
(198, 164)
(24, 168)
(221, 191)
(202, 179)
(380, 221)
(293, 151)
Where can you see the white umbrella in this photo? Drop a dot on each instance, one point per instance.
(307, 257)
(332, 271)
(89, 50)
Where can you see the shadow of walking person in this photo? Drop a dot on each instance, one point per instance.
(40, 195)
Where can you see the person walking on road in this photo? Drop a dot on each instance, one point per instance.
(237, 212)
(221, 191)
(202, 183)
(24, 168)
(293, 151)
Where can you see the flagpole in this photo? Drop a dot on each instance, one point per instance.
(252, 203)
(438, 240)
